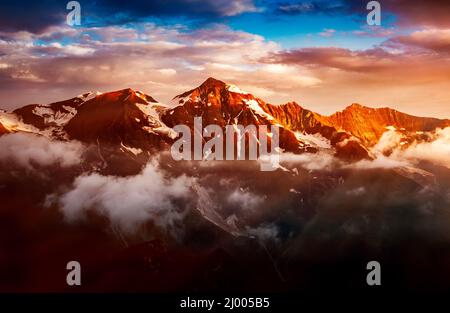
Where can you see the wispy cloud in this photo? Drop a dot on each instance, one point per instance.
(327, 32)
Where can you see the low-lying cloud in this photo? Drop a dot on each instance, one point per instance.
(435, 150)
(311, 161)
(128, 202)
(245, 199)
(392, 151)
(30, 150)
(163, 199)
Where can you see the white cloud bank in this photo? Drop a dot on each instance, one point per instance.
(128, 201)
(29, 150)
(435, 150)
(394, 150)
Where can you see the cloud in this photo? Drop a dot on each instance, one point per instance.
(435, 150)
(379, 162)
(128, 202)
(394, 151)
(164, 61)
(356, 192)
(106, 63)
(416, 12)
(264, 233)
(373, 31)
(398, 73)
(389, 141)
(37, 16)
(327, 32)
(436, 40)
(189, 8)
(299, 7)
(311, 161)
(323, 161)
(391, 152)
(33, 16)
(407, 12)
(295, 8)
(30, 150)
(375, 60)
(245, 200)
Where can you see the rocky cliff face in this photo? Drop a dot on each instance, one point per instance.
(317, 129)
(368, 124)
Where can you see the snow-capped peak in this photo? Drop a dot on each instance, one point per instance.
(254, 105)
(143, 96)
(14, 123)
(59, 118)
(236, 89)
(158, 126)
(89, 95)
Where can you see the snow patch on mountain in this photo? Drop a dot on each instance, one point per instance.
(89, 95)
(181, 100)
(166, 131)
(149, 112)
(316, 140)
(135, 151)
(43, 111)
(141, 95)
(158, 126)
(235, 89)
(59, 118)
(254, 105)
(13, 123)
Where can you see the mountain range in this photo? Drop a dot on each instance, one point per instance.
(131, 218)
(136, 124)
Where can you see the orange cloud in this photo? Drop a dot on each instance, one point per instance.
(409, 73)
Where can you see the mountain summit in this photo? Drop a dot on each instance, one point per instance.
(122, 117)
(224, 104)
(368, 124)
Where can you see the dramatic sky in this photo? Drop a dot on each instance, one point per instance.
(321, 54)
